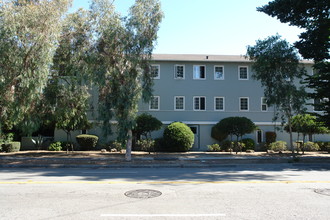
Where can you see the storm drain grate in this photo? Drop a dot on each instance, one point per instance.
(325, 192)
(143, 193)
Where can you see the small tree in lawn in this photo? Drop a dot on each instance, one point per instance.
(145, 124)
(276, 66)
(235, 126)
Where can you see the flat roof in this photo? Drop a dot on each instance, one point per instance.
(206, 58)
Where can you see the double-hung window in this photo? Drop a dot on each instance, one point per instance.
(154, 103)
(219, 103)
(199, 72)
(179, 103)
(155, 71)
(219, 73)
(199, 103)
(243, 73)
(179, 71)
(244, 104)
(264, 106)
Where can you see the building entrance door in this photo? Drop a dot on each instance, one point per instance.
(195, 130)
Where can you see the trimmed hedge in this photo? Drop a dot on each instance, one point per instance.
(178, 137)
(11, 147)
(87, 141)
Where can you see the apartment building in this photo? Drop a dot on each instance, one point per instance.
(200, 90)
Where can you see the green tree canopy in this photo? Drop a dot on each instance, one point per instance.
(123, 53)
(145, 124)
(276, 66)
(29, 32)
(313, 17)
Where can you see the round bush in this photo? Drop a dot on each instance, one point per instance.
(178, 137)
(86, 141)
(11, 147)
(278, 146)
(311, 146)
(249, 143)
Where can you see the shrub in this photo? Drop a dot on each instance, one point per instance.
(56, 146)
(86, 141)
(238, 146)
(227, 145)
(159, 144)
(311, 146)
(178, 137)
(249, 144)
(115, 145)
(270, 137)
(278, 146)
(146, 145)
(11, 147)
(145, 124)
(213, 148)
(324, 146)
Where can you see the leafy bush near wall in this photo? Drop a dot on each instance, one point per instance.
(249, 144)
(278, 146)
(227, 145)
(270, 137)
(213, 148)
(324, 146)
(87, 141)
(11, 147)
(146, 145)
(311, 146)
(56, 146)
(178, 137)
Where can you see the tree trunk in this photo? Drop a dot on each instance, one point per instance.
(128, 155)
(290, 131)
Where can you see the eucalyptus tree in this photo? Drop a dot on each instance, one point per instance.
(276, 66)
(123, 52)
(29, 32)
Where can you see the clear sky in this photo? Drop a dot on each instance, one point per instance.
(218, 27)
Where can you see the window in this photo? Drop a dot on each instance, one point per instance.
(244, 104)
(259, 136)
(155, 71)
(264, 106)
(179, 103)
(179, 71)
(219, 103)
(154, 103)
(199, 72)
(199, 103)
(218, 73)
(318, 102)
(243, 73)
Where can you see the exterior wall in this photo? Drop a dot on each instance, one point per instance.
(231, 88)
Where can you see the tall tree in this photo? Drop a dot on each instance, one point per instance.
(29, 32)
(276, 66)
(313, 17)
(124, 48)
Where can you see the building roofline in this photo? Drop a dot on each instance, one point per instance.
(206, 58)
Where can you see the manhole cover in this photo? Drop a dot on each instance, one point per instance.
(323, 191)
(143, 193)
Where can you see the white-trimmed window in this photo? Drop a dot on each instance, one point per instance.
(179, 104)
(244, 104)
(199, 72)
(264, 106)
(179, 71)
(219, 73)
(317, 102)
(155, 71)
(154, 103)
(199, 103)
(219, 103)
(243, 73)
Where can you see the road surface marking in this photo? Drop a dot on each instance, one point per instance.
(163, 215)
(162, 182)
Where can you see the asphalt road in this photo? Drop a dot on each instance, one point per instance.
(235, 192)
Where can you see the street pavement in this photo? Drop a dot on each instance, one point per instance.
(241, 191)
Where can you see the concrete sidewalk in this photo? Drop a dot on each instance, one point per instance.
(35, 159)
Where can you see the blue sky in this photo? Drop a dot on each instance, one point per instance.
(221, 27)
